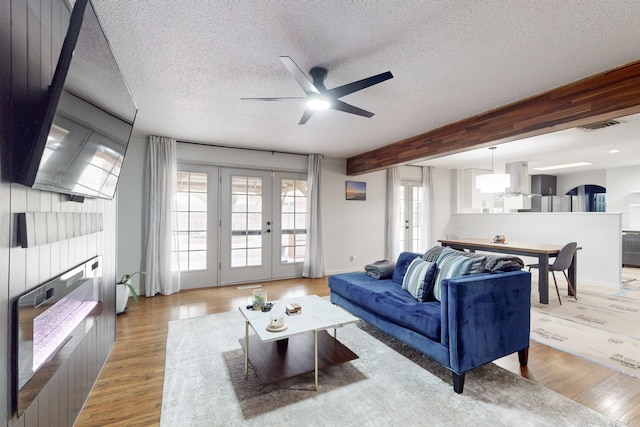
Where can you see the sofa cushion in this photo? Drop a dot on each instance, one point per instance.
(387, 299)
(419, 279)
(404, 259)
(452, 263)
(432, 254)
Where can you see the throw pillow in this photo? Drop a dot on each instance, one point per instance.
(432, 254)
(404, 259)
(418, 280)
(452, 264)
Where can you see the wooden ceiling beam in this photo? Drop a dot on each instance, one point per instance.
(605, 96)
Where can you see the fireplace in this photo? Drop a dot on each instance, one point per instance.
(49, 322)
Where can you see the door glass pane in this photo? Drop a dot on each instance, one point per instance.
(254, 257)
(198, 241)
(239, 221)
(409, 233)
(198, 221)
(403, 221)
(183, 221)
(191, 201)
(416, 210)
(287, 221)
(238, 258)
(198, 202)
(198, 260)
(293, 218)
(246, 221)
(197, 182)
(238, 242)
(254, 241)
(254, 221)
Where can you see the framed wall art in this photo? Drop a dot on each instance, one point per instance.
(356, 190)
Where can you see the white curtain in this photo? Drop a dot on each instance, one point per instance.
(393, 214)
(162, 272)
(314, 251)
(426, 219)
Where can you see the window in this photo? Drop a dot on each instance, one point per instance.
(293, 196)
(192, 220)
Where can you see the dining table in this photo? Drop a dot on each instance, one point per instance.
(542, 251)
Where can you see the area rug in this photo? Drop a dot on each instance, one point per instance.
(390, 384)
(598, 327)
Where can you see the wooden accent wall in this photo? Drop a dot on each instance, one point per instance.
(31, 36)
(608, 95)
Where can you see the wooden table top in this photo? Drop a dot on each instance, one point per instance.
(528, 247)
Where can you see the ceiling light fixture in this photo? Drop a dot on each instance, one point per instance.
(493, 182)
(564, 166)
(614, 151)
(318, 104)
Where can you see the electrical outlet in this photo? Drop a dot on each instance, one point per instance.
(352, 258)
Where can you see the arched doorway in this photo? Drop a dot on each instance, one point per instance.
(588, 198)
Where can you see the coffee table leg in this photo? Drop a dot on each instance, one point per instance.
(315, 345)
(246, 346)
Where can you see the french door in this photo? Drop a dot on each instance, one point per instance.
(197, 231)
(262, 225)
(410, 233)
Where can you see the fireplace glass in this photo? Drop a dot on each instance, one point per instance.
(51, 321)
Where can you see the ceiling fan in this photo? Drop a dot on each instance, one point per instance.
(319, 97)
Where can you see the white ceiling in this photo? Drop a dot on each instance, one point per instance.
(189, 62)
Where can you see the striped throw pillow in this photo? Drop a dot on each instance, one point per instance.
(451, 264)
(419, 278)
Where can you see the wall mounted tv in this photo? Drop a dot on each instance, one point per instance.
(88, 118)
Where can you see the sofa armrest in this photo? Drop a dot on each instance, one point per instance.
(487, 316)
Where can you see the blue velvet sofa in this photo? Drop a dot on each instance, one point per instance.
(479, 318)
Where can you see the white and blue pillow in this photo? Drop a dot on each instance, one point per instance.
(419, 278)
(452, 264)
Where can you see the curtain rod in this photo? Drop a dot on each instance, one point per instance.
(242, 148)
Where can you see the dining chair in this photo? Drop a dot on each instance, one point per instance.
(562, 263)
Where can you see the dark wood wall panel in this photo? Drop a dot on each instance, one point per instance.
(32, 33)
(5, 201)
(604, 96)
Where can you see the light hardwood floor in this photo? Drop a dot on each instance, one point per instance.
(129, 389)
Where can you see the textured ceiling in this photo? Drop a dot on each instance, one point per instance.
(188, 63)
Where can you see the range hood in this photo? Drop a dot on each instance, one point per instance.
(520, 182)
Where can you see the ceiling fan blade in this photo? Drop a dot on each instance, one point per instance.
(301, 78)
(295, 98)
(348, 108)
(341, 91)
(306, 116)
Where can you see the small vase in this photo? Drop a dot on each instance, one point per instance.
(259, 299)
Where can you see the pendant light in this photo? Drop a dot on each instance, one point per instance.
(493, 182)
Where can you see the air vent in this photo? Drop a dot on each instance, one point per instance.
(599, 125)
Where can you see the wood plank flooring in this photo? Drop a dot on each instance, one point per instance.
(129, 389)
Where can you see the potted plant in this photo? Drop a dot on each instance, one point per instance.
(124, 288)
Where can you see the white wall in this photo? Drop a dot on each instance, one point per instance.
(623, 194)
(352, 227)
(130, 197)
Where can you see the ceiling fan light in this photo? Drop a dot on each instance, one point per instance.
(318, 104)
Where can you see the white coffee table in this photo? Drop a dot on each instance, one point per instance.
(303, 347)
